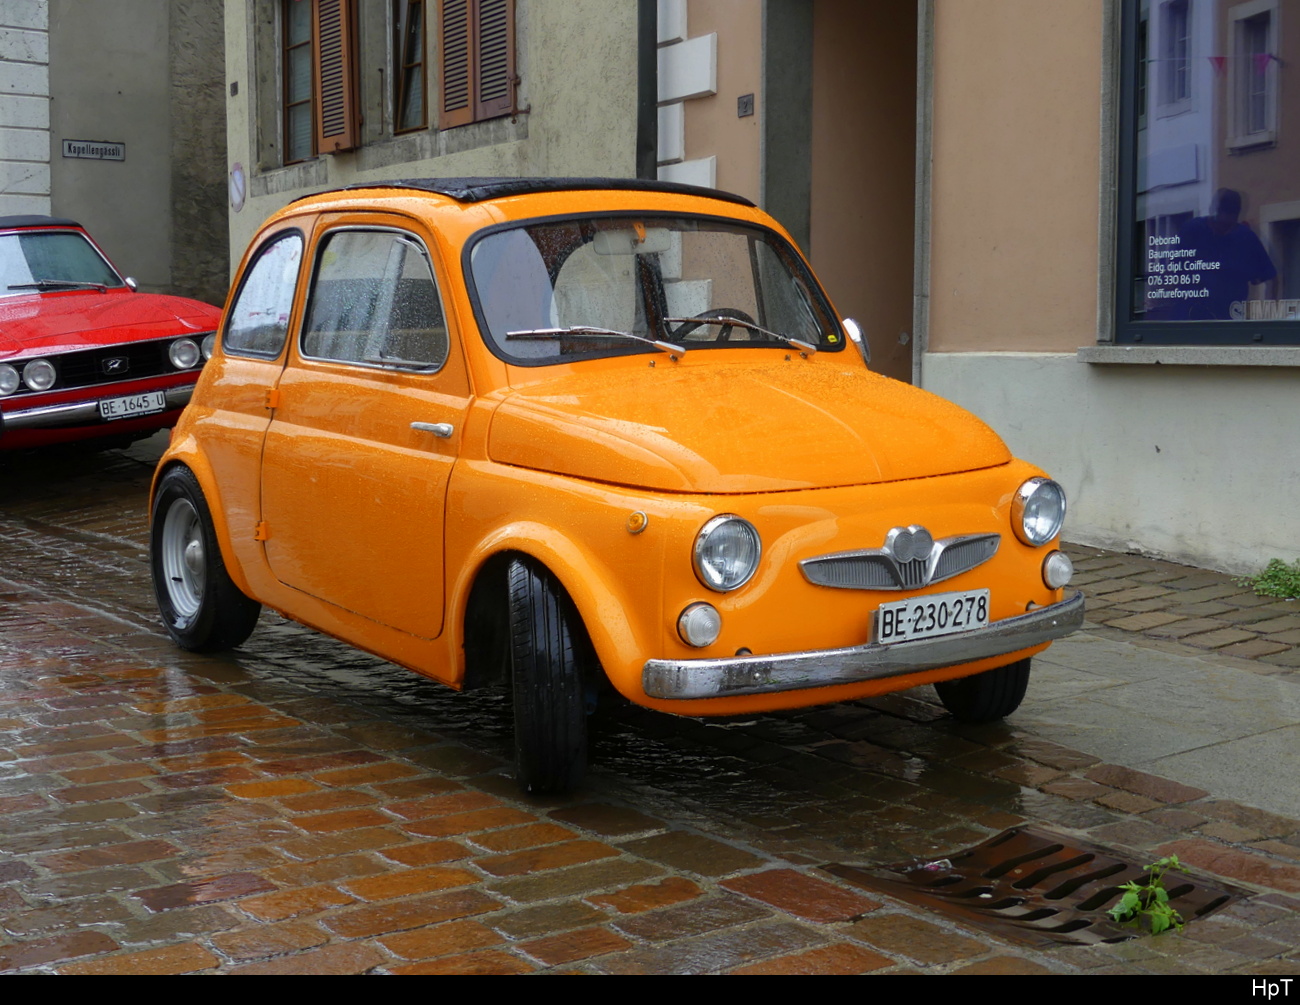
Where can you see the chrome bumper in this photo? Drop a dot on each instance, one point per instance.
(79, 413)
(735, 675)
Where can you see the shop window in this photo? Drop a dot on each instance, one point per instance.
(1209, 249)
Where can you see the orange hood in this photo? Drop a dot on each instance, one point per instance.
(714, 427)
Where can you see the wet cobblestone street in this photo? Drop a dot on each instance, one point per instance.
(299, 807)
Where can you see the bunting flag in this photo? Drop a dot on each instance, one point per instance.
(1218, 62)
(1262, 61)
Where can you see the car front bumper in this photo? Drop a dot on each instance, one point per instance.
(80, 413)
(738, 675)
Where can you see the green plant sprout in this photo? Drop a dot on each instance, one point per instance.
(1277, 580)
(1149, 900)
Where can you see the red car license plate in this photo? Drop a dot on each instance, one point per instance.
(133, 405)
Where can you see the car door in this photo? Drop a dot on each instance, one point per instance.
(367, 420)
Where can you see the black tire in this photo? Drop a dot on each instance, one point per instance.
(987, 696)
(546, 646)
(201, 608)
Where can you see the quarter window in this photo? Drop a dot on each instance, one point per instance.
(259, 318)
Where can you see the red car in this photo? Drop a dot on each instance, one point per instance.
(83, 356)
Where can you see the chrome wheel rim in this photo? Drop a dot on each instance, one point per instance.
(184, 560)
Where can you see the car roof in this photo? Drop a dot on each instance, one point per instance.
(482, 189)
(33, 220)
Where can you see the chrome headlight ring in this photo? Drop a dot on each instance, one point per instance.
(40, 375)
(9, 380)
(726, 553)
(184, 353)
(1038, 511)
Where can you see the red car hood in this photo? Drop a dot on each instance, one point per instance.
(58, 322)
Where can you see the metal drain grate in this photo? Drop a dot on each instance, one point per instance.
(1033, 886)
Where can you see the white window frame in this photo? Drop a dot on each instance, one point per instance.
(1240, 136)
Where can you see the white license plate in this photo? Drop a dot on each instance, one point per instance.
(936, 614)
(133, 405)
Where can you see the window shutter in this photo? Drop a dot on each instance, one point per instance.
(334, 49)
(455, 104)
(476, 65)
(496, 64)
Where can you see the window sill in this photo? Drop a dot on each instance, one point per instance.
(1190, 355)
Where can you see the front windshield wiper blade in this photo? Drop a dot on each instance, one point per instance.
(588, 330)
(58, 284)
(797, 343)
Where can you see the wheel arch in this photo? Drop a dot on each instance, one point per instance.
(595, 592)
(184, 456)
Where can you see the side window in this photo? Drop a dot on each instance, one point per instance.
(259, 318)
(374, 300)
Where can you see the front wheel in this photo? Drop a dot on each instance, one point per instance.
(547, 646)
(202, 609)
(987, 696)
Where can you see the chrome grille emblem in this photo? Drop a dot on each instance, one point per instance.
(911, 559)
(116, 364)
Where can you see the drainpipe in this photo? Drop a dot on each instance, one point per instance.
(647, 89)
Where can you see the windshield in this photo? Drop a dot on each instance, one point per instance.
(43, 260)
(601, 286)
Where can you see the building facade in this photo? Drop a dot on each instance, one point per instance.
(1077, 219)
(112, 115)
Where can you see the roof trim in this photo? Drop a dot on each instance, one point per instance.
(33, 220)
(483, 189)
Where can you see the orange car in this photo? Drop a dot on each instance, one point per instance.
(560, 430)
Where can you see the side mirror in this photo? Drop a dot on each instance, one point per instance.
(131, 284)
(854, 331)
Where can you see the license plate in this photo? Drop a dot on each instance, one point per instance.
(936, 614)
(133, 405)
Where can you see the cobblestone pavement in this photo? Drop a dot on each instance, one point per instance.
(297, 807)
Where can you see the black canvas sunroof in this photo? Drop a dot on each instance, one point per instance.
(481, 189)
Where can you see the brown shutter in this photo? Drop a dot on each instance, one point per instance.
(455, 104)
(334, 49)
(476, 60)
(495, 44)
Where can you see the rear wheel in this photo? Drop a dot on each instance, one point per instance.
(201, 607)
(986, 696)
(547, 644)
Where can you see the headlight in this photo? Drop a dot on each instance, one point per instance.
(209, 344)
(1038, 511)
(183, 353)
(39, 375)
(727, 550)
(9, 380)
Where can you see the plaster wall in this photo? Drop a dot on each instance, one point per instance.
(1015, 148)
(712, 126)
(110, 82)
(577, 62)
(863, 169)
(1198, 464)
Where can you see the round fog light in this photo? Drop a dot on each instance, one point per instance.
(183, 353)
(699, 625)
(1057, 570)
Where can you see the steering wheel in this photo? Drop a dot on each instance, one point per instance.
(713, 314)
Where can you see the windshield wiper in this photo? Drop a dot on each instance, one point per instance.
(591, 332)
(727, 322)
(58, 284)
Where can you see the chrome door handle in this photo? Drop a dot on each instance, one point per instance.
(440, 429)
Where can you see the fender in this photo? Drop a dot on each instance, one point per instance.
(185, 451)
(596, 592)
